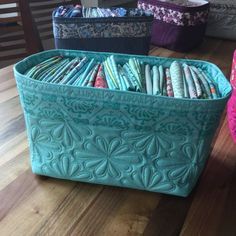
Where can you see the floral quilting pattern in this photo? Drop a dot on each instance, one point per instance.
(42, 143)
(65, 166)
(156, 141)
(184, 168)
(107, 158)
(151, 178)
(149, 143)
(175, 17)
(65, 131)
(101, 30)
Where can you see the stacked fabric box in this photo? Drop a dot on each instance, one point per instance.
(179, 25)
(222, 19)
(106, 30)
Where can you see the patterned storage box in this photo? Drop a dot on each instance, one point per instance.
(112, 34)
(231, 108)
(177, 27)
(222, 19)
(119, 138)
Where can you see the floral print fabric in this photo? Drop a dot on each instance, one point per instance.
(101, 30)
(175, 17)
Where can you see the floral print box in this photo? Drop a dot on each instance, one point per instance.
(129, 34)
(119, 138)
(178, 24)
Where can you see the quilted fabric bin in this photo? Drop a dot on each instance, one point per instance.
(222, 19)
(105, 34)
(231, 108)
(177, 27)
(119, 138)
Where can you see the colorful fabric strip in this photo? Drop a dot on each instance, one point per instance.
(155, 81)
(177, 79)
(204, 83)
(148, 79)
(186, 92)
(190, 82)
(75, 72)
(161, 73)
(100, 81)
(196, 83)
(111, 78)
(80, 80)
(169, 88)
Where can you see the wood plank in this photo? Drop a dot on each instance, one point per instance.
(106, 203)
(8, 1)
(205, 213)
(8, 94)
(11, 28)
(9, 10)
(11, 38)
(5, 85)
(47, 200)
(45, 6)
(44, 22)
(132, 215)
(6, 74)
(74, 206)
(9, 130)
(11, 110)
(227, 225)
(12, 47)
(39, 15)
(19, 142)
(47, 29)
(168, 217)
(14, 167)
(11, 19)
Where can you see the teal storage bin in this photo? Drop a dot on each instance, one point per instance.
(126, 139)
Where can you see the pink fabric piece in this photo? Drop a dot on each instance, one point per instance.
(231, 107)
(100, 81)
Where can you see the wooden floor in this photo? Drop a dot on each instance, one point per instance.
(31, 205)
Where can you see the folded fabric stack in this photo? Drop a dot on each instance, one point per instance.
(94, 12)
(178, 80)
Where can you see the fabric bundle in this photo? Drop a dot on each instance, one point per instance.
(176, 80)
(95, 12)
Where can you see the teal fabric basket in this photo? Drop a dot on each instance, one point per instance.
(118, 138)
